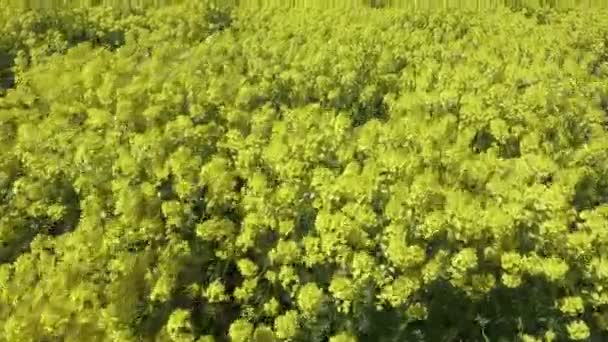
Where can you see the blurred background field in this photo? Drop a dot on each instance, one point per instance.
(406, 4)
